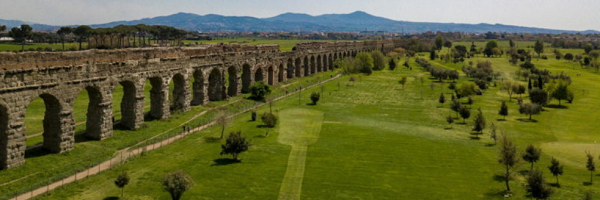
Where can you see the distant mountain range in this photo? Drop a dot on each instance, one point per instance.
(353, 22)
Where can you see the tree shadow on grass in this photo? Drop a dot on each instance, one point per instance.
(585, 183)
(111, 198)
(448, 128)
(499, 178)
(495, 193)
(524, 172)
(527, 120)
(212, 139)
(556, 185)
(81, 137)
(501, 120)
(224, 161)
(557, 106)
(490, 144)
(474, 137)
(37, 151)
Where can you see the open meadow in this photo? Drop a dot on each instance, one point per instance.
(368, 139)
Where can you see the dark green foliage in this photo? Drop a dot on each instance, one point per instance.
(21, 34)
(569, 56)
(402, 81)
(392, 64)
(503, 110)
(538, 47)
(591, 166)
(259, 90)
(176, 183)
(364, 63)
(269, 119)
(314, 97)
(452, 86)
(121, 181)
(63, 32)
(536, 185)
(465, 113)
(555, 168)
(479, 122)
(489, 46)
(378, 60)
(493, 134)
(442, 99)
(532, 155)
(461, 51)
(450, 120)
(82, 32)
(439, 42)
(507, 157)
(253, 116)
(538, 96)
(432, 54)
(527, 65)
(530, 109)
(455, 106)
(235, 145)
(559, 91)
(511, 43)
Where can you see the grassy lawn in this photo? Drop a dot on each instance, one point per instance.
(376, 141)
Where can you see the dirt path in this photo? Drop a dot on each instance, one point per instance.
(124, 154)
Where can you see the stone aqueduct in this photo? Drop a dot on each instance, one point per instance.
(58, 78)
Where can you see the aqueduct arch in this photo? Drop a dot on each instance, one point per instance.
(213, 71)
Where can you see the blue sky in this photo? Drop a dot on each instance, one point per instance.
(556, 14)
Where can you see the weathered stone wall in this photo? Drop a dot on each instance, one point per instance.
(58, 78)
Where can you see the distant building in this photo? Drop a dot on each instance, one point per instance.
(6, 39)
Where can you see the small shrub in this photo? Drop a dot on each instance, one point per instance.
(314, 97)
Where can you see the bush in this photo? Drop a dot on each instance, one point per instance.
(259, 90)
(253, 115)
(314, 97)
(269, 119)
(538, 96)
(364, 63)
(378, 60)
(176, 183)
(467, 89)
(235, 145)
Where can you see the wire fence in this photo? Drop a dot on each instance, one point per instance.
(58, 176)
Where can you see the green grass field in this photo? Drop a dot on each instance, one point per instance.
(376, 141)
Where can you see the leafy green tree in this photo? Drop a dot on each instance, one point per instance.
(221, 119)
(530, 109)
(2, 28)
(450, 120)
(364, 62)
(467, 89)
(176, 183)
(538, 96)
(442, 99)
(448, 44)
(121, 181)
(532, 155)
(588, 48)
(559, 90)
(378, 60)
(511, 43)
(493, 134)
(253, 115)
(479, 122)
(439, 42)
(503, 110)
(259, 90)
(465, 113)
(489, 46)
(507, 157)
(591, 166)
(314, 97)
(235, 145)
(555, 168)
(536, 185)
(63, 32)
(82, 32)
(392, 64)
(270, 121)
(403, 81)
(455, 106)
(432, 54)
(21, 33)
(538, 47)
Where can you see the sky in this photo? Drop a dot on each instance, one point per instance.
(555, 14)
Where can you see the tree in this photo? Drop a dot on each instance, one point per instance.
(365, 63)
(450, 120)
(493, 134)
(442, 99)
(176, 183)
(507, 157)
(235, 145)
(259, 90)
(221, 119)
(2, 28)
(21, 33)
(536, 185)
(448, 44)
(489, 46)
(532, 155)
(591, 166)
(569, 57)
(392, 64)
(378, 60)
(511, 43)
(539, 47)
(455, 106)
(518, 89)
(538, 96)
(479, 122)
(432, 54)
(63, 32)
(403, 81)
(253, 116)
(82, 32)
(439, 42)
(121, 181)
(465, 113)
(314, 97)
(503, 110)
(530, 109)
(559, 90)
(508, 86)
(555, 168)
(467, 89)
(270, 121)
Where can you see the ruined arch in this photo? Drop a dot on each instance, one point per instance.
(159, 99)
(179, 101)
(306, 66)
(259, 75)
(215, 85)
(232, 90)
(290, 69)
(280, 77)
(4, 155)
(330, 62)
(246, 78)
(270, 76)
(198, 87)
(95, 113)
(319, 63)
(129, 106)
(298, 66)
(56, 139)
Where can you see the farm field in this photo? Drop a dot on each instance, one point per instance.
(374, 139)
